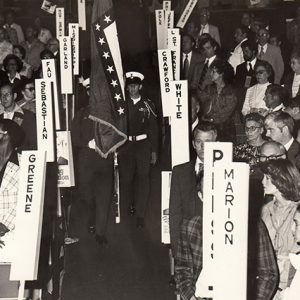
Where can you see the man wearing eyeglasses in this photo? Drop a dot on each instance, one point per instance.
(28, 92)
(279, 128)
(23, 117)
(270, 53)
(271, 150)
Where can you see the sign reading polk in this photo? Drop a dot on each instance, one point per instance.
(29, 216)
(44, 118)
(213, 152)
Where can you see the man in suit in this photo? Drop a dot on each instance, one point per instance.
(280, 127)
(186, 193)
(212, 30)
(24, 118)
(270, 53)
(275, 97)
(245, 76)
(190, 58)
(201, 77)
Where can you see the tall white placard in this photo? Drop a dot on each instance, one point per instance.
(186, 13)
(66, 69)
(29, 216)
(81, 14)
(231, 231)
(44, 118)
(74, 34)
(60, 21)
(160, 29)
(167, 5)
(169, 23)
(165, 204)
(174, 39)
(213, 152)
(180, 150)
(166, 76)
(49, 73)
(64, 159)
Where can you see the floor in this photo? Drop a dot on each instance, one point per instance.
(134, 265)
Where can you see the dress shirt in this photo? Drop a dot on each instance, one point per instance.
(135, 101)
(197, 164)
(18, 76)
(264, 47)
(189, 57)
(255, 98)
(237, 57)
(296, 85)
(289, 144)
(252, 62)
(277, 108)
(204, 29)
(210, 60)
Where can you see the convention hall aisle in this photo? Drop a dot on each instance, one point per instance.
(133, 266)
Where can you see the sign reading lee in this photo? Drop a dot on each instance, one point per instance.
(44, 118)
(66, 69)
(29, 216)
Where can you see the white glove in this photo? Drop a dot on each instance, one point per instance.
(92, 144)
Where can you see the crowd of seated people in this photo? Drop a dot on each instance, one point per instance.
(252, 92)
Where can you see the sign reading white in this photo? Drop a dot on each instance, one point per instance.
(49, 73)
(186, 13)
(81, 14)
(65, 159)
(66, 69)
(74, 34)
(29, 216)
(174, 39)
(166, 76)
(60, 22)
(231, 231)
(44, 118)
(160, 29)
(213, 152)
(180, 122)
(165, 204)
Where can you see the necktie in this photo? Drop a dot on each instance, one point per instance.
(250, 67)
(202, 29)
(186, 67)
(261, 53)
(203, 74)
(199, 176)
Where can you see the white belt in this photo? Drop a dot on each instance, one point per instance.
(137, 137)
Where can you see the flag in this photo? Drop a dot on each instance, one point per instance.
(107, 84)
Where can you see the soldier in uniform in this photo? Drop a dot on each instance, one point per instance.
(140, 151)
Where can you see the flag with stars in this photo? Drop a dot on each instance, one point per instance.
(107, 84)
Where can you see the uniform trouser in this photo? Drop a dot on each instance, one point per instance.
(95, 176)
(134, 161)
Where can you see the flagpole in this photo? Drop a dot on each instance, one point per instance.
(21, 290)
(117, 188)
(67, 112)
